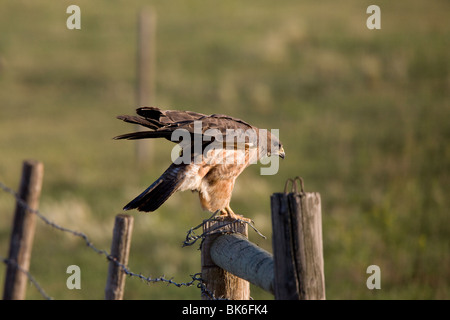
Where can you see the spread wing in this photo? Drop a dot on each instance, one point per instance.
(163, 123)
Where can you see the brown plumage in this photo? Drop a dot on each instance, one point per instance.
(205, 171)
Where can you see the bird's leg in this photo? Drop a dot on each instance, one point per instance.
(228, 211)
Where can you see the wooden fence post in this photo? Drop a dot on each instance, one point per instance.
(297, 246)
(23, 230)
(146, 62)
(234, 253)
(221, 283)
(120, 249)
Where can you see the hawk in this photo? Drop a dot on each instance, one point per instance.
(215, 149)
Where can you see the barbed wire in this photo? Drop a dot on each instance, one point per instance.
(192, 237)
(196, 278)
(29, 276)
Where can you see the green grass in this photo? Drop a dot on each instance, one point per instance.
(363, 116)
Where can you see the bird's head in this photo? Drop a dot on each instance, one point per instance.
(271, 147)
(275, 147)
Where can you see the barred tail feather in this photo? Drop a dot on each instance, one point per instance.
(160, 190)
(144, 135)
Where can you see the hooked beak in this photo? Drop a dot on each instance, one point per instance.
(281, 153)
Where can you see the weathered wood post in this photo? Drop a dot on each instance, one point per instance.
(23, 230)
(221, 283)
(297, 246)
(146, 62)
(234, 253)
(120, 249)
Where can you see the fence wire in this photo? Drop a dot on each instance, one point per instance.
(195, 278)
(29, 276)
(192, 237)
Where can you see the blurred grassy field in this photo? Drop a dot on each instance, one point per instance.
(363, 115)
